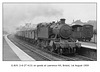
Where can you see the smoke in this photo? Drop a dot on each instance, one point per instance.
(48, 11)
(15, 15)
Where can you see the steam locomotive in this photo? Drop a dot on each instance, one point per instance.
(54, 36)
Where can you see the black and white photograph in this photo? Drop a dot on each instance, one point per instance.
(49, 31)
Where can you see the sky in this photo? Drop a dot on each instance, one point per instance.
(17, 14)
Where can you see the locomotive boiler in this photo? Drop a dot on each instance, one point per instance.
(61, 29)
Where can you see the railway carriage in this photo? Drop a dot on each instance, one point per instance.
(77, 32)
(82, 32)
(87, 32)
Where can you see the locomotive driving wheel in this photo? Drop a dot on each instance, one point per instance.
(60, 51)
(52, 49)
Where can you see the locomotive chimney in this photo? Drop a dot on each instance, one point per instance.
(62, 21)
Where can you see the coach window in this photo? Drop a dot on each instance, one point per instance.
(78, 28)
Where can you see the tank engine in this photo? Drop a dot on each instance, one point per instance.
(56, 37)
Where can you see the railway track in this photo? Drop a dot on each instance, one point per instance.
(47, 55)
(44, 55)
(28, 48)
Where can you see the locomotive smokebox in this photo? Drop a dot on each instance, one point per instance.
(62, 21)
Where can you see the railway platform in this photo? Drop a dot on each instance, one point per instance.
(89, 45)
(12, 53)
(88, 49)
